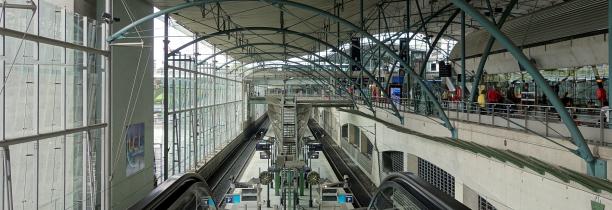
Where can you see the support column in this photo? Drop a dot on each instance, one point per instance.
(165, 146)
(301, 182)
(105, 168)
(407, 79)
(609, 50)
(595, 167)
(463, 88)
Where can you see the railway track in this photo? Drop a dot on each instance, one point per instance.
(359, 184)
(233, 165)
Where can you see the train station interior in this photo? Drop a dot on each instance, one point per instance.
(305, 104)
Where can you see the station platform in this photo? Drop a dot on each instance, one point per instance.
(257, 165)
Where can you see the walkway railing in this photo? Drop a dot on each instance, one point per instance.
(542, 120)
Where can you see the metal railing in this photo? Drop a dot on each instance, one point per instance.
(542, 120)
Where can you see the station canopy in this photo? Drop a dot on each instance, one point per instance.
(224, 15)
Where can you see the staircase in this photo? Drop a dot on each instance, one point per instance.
(289, 126)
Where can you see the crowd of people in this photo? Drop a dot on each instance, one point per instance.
(492, 99)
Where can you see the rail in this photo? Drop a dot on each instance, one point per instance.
(205, 188)
(360, 185)
(407, 191)
(184, 191)
(543, 120)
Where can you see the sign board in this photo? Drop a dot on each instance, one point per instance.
(315, 146)
(345, 198)
(397, 79)
(232, 198)
(445, 69)
(263, 146)
(396, 94)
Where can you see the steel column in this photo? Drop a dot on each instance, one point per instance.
(596, 167)
(463, 88)
(432, 46)
(609, 52)
(487, 50)
(165, 145)
(324, 13)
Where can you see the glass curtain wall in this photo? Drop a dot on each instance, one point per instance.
(205, 112)
(47, 90)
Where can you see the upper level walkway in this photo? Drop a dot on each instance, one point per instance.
(541, 120)
(314, 100)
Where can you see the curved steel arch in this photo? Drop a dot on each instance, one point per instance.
(368, 102)
(396, 111)
(596, 167)
(435, 41)
(281, 4)
(300, 67)
(304, 72)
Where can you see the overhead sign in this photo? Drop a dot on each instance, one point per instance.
(315, 146)
(345, 198)
(263, 146)
(445, 69)
(232, 198)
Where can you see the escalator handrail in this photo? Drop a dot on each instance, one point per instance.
(174, 186)
(424, 192)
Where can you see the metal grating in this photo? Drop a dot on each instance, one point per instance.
(404, 201)
(437, 177)
(393, 161)
(483, 204)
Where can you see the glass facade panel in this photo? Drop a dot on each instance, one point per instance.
(205, 112)
(49, 89)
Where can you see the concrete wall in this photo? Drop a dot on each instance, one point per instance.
(516, 140)
(138, 105)
(504, 185)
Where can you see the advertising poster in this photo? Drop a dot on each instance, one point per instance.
(134, 140)
(396, 94)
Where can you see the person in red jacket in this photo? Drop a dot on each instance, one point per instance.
(493, 97)
(601, 93)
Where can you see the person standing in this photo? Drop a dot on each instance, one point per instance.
(491, 98)
(481, 99)
(601, 94)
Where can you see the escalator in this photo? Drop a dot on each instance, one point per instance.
(186, 191)
(407, 191)
(205, 188)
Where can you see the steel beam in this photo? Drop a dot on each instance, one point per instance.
(487, 50)
(463, 87)
(48, 136)
(432, 46)
(49, 41)
(609, 54)
(369, 102)
(595, 167)
(165, 146)
(339, 20)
